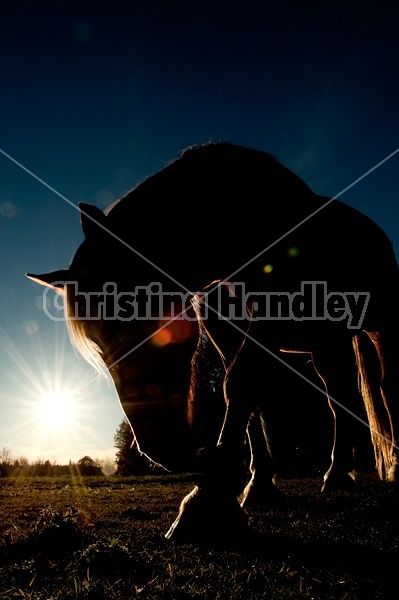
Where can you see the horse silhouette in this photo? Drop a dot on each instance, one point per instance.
(200, 279)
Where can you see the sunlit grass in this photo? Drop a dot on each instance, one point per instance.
(104, 538)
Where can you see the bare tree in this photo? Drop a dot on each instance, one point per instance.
(5, 456)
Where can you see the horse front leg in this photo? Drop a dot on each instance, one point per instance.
(205, 404)
(212, 510)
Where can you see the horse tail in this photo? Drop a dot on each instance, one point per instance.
(369, 378)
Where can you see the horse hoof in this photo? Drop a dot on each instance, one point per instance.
(333, 483)
(392, 475)
(256, 494)
(204, 516)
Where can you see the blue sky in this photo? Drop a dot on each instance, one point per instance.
(94, 100)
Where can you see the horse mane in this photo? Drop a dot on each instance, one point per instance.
(82, 340)
(81, 331)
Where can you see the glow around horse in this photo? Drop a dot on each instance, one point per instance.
(234, 232)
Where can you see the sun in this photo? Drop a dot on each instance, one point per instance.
(56, 409)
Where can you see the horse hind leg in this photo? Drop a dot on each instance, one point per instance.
(261, 488)
(336, 367)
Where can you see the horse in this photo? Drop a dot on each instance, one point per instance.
(212, 271)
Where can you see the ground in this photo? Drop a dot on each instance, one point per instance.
(63, 538)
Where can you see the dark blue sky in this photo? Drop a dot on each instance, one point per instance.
(94, 100)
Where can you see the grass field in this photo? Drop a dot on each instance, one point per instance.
(103, 538)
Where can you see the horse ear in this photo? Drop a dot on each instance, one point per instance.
(54, 279)
(93, 219)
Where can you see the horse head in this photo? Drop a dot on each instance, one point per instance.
(148, 359)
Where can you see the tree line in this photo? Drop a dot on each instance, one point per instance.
(22, 467)
(128, 461)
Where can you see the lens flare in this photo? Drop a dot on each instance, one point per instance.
(162, 337)
(293, 251)
(177, 331)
